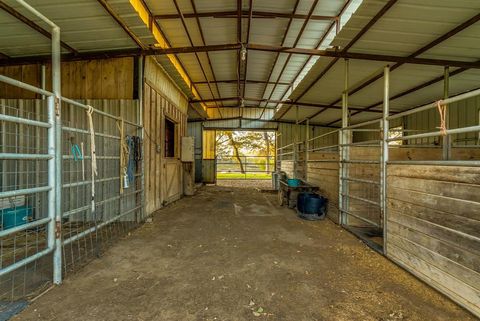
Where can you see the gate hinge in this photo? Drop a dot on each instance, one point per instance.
(57, 106)
(58, 229)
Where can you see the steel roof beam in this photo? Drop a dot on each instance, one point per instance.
(297, 39)
(245, 14)
(250, 12)
(192, 44)
(334, 24)
(33, 25)
(418, 52)
(278, 56)
(285, 102)
(298, 51)
(364, 30)
(202, 36)
(248, 81)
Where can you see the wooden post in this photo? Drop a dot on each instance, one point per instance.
(344, 138)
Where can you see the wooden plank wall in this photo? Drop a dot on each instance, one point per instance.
(287, 167)
(162, 99)
(325, 176)
(433, 227)
(88, 79)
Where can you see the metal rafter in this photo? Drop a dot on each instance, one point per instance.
(334, 24)
(364, 30)
(299, 36)
(239, 41)
(247, 41)
(121, 23)
(191, 44)
(33, 25)
(246, 14)
(153, 21)
(263, 100)
(202, 36)
(418, 52)
(299, 51)
(248, 81)
(278, 56)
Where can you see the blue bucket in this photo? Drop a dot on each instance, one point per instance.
(11, 217)
(294, 182)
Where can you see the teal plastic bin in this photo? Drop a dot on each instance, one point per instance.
(16, 216)
(293, 182)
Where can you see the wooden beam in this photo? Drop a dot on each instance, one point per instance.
(33, 25)
(245, 14)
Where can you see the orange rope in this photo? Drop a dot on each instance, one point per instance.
(442, 110)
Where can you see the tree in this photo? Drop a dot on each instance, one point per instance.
(238, 143)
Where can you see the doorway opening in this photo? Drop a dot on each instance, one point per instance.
(244, 156)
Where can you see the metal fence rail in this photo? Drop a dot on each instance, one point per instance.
(51, 222)
(244, 166)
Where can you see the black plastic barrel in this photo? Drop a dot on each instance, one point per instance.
(301, 198)
(311, 203)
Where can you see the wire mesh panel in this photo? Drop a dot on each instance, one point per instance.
(89, 227)
(24, 190)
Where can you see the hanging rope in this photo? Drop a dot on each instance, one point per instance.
(442, 110)
(93, 174)
(92, 140)
(124, 154)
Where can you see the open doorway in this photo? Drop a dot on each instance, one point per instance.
(245, 157)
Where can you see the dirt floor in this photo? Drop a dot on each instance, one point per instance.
(261, 184)
(232, 254)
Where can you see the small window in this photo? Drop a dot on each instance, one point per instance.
(169, 138)
(395, 132)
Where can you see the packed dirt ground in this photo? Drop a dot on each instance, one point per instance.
(232, 254)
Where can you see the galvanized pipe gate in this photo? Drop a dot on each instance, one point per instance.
(60, 221)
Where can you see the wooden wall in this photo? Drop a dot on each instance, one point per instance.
(88, 79)
(325, 176)
(161, 100)
(433, 227)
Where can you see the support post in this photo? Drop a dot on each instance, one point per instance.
(344, 138)
(56, 89)
(384, 157)
(447, 141)
(307, 147)
(43, 78)
(295, 145)
(141, 135)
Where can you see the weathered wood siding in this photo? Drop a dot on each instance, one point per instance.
(87, 79)
(287, 167)
(433, 227)
(325, 176)
(162, 99)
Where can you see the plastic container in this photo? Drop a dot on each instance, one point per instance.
(294, 182)
(11, 217)
(301, 199)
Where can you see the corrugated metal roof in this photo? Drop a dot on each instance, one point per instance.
(85, 25)
(406, 27)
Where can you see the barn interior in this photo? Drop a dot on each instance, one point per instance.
(110, 201)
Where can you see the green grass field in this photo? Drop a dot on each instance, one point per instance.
(244, 176)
